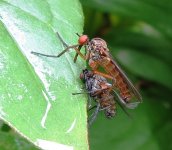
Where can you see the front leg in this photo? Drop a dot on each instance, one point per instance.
(86, 57)
(94, 66)
(103, 74)
(76, 47)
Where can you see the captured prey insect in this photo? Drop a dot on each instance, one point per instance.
(97, 54)
(101, 91)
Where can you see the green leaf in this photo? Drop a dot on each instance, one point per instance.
(156, 13)
(146, 66)
(36, 92)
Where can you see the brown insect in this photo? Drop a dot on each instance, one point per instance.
(101, 91)
(97, 54)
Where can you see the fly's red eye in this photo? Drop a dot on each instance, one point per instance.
(83, 39)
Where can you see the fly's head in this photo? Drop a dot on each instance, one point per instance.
(86, 74)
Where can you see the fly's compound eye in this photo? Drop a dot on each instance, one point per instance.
(83, 39)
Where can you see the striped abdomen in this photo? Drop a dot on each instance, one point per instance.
(111, 68)
(107, 102)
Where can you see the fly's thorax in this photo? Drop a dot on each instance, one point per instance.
(89, 82)
(92, 84)
(95, 55)
(96, 84)
(97, 47)
(97, 43)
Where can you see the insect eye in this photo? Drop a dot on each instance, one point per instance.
(83, 39)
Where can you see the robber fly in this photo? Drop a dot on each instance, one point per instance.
(97, 54)
(101, 91)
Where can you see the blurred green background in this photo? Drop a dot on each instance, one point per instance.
(139, 35)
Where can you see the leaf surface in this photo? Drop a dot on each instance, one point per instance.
(36, 92)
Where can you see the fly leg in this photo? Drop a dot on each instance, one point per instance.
(76, 47)
(76, 55)
(94, 115)
(92, 108)
(89, 98)
(87, 54)
(61, 40)
(55, 56)
(105, 108)
(103, 74)
(89, 102)
(107, 77)
(94, 66)
(64, 51)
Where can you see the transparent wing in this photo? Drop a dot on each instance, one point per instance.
(123, 108)
(131, 87)
(131, 105)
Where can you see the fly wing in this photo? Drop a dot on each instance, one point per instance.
(123, 107)
(133, 90)
(131, 105)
